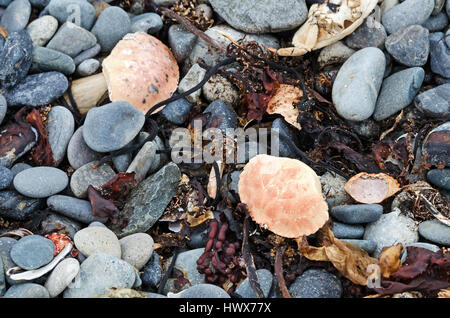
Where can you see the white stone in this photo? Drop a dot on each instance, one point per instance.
(137, 249)
(95, 239)
(62, 276)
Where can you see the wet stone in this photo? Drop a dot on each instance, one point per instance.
(6, 177)
(32, 252)
(59, 9)
(265, 279)
(15, 206)
(440, 178)
(78, 153)
(60, 129)
(16, 15)
(357, 213)
(435, 102)
(45, 60)
(407, 13)
(110, 27)
(40, 182)
(89, 174)
(435, 231)
(342, 230)
(316, 283)
(79, 210)
(72, 39)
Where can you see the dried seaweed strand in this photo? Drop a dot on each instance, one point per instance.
(168, 272)
(279, 272)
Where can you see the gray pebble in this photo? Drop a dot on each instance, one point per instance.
(72, 39)
(220, 113)
(152, 272)
(436, 23)
(32, 252)
(177, 112)
(61, 224)
(357, 213)
(148, 23)
(316, 283)
(15, 206)
(16, 15)
(40, 182)
(368, 246)
(434, 102)
(370, 33)
(439, 55)
(181, 42)
(78, 153)
(65, 11)
(90, 175)
(202, 291)
(62, 276)
(143, 160)
(435, 231)
(407, 13)
(42, 30)
(60, 129)
(219, 87)
(110, 27)
(265, 279)
(137, 249)
(6, 177)
(440, 178)
(20, 166)
(88, 67)
(27, 290)
(87, 54)
(73, 208)
(6, 244)
(342, 230)
(192, 78)
(45, 60)
(2, 280)
(96, 239)
(3, 108)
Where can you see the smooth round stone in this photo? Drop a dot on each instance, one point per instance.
(439, 55)
(3, 107)
(88, 67)
(40, 182)
(222, 114)
(409, 46)
(15, 206)
(95, 239)
(316, 283)
(62, 276)
(112, 126)
(357, 213)
(152, 272)
(122, 162)
(357, 84)
(262, 16)
(60, 129)
(177, 111)
(342, 230)
(27, 290)
(434, 102)
(45, 60)
(38, 89)
(265, 279)
(87, 54)
(66, 10)
(6, 177)
(436, 23)
(15, 59)
(73, 208)
(100, 273)
(398, 91)
(431, 247)
(366, 245)
(90, 175)
(78, 153)
(390, 229)
(137, 249)
(148, 23)
(407, 13)
(336, 53)
(192, 78)
(60, 224)
(218, 87)
(32, 252)
(435, 231)
(181, 42)
(201, 291)
(72, 39)
(370, 33)
(333, 189)
(440, 178)
(110, 27)
(16, 15)
(42, 30)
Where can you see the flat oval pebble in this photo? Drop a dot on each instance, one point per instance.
(316, 283)
(181, 42)
(15, 206)
(40, 182)
(87, 54)
(88, 67)
(355, 89)
(265, 279)
(89, 174)
(45, 60)
(110, 27)
(42, 30)
(38, 89)
(78, 153)
(137, 249)
(62, 276)
(27, 290)
(407, 13)
(342, 230)
(435, 231)
(112, 126)
(63, 10)
(73, 208)
(434, 102)
(91, 240)
(32, 252)
(16, 15)
(60, 129)
(202, 291)
(6, 177)
(100, 273)
(440, 178)
(72, 39)
(357, 213)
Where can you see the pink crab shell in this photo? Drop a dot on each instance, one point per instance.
(141, 70)
(283, 195)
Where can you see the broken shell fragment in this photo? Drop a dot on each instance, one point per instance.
(141, 70)
(283, 103)
(283, 195)
(371, 188)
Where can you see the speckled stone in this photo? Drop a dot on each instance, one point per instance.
(439, 55)
(177, 112)
(434, 102)
(72, 39)
(60, 129)
(73, 208)
(370, 33)
(218, 87)
(27, 290)
(95, 239)
(137, 249)
(32, 252)
(40, 182)
(89, 175)
(78, 153)
(407, 13)
(88, 67)
(193, 77)
(152, 272)
(436, 23)
(222, 114)
(62, 276)
(316, 283)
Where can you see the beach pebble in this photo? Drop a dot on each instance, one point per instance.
(95, 239)
(177, 111)
(366, 245)
(137, 249)
(436, 23)
(143, 160)
(110, 27)
(45, 60)
(88, 67)
(222, 114)
(62, 276)
(152, 272)
(148, 23)
(316, 283)
(6, 177)
(181, 42)
(40, 182)
(435, 231)
(79, 210)
(60, 129)
(193, 77)
(409, 46)
(201, 291)
(15, 206)
(342, 230)
(265, 279)
(32, 252)
(439, 55)
(16, 15)
(65, 11)
(407, 13)
(333, 189)
(99, 274)
(87, 54)
(370, 33)
(6, 244)
(78, 153)
(112, 126)
(20, 166)
(218, 87)
(336, 53)
(434, 102)
(27, 290)
(72, 39)
(357, 213)
(398, 91)
(3, 108)
(440, 178)
(357, 84)
(42, 30)
(60, 224)
(89, 174)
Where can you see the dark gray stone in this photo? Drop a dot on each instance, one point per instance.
(435, 102)
(439, 55)
(342, 230)
(65, 10)
(45, 60)
(110, 27)
(284, 134)
(357, 84)
(15, 58)
(16, 15)
(32, 252)
(366, 245)
(73, 208)
(15, 206)
(435, 231)
(152, 272)
(409, 46)
(112, 126)
(6, 177)
(61, 224)
(39, 3)
(407, 13)
(89, 174)
(440, 178)
(87, 54)
(27, 290)
(40, 182)
(370, 33)
(72, 39)
(37, 90)
(20, 166)
(436, 23)
(265, 279)
(202, 291)
(316, 283)
(148, 23)
(181, 42)
(60, 128)
(262, 16)
(78, 153)
(357, 213)
(398, 91)
(222, 114)
(177, 111)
